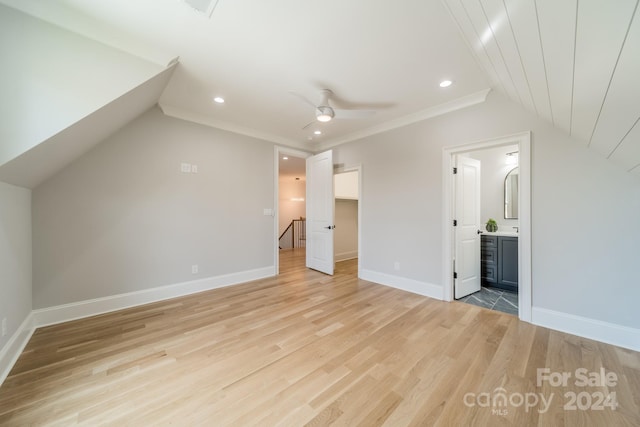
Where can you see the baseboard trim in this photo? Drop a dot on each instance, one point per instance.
(610, 333)
(14, 347)
(402, 283)
(82, 309)
(343, 256)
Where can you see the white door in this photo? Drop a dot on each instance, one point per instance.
(320, 221)
(467, 230)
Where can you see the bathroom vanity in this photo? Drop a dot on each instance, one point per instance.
(499, 260)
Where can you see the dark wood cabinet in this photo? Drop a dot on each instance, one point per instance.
(499, 262)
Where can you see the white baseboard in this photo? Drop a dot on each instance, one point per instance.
(610, 333)
(409, 285)
(81, 309)
(343, 256)
(14, 347)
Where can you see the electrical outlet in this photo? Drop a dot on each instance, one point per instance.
(194, 269)
(396, 265)
(4, 326)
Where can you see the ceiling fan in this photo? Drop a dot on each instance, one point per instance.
(325, 112)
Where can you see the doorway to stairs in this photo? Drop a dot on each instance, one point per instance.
(291, 209)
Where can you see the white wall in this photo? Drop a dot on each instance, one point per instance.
(584, 210)
(345, 235)
(123, 217)
(15, 258)
(52, 77)
(493, 171)
(290, 188)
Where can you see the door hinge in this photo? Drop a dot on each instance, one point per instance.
(455, 222)
(455, 275)
(455, 171)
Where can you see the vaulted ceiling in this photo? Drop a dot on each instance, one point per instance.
(575, 63)
(571, 62)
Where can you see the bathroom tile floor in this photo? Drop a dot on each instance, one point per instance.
(494, 299)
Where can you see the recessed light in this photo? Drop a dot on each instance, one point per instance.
(285, 158)
(317, 132)
(219, 99)
(445, 83)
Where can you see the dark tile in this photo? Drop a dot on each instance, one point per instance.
(490, 296)
(494, 299)
(473, 299)
(505, 307)
(512, 297)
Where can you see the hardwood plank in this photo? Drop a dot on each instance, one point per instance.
(305, 349)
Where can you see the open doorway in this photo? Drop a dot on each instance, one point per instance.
(347, 217)
(497, 262)
(290, 211)
(453, 256)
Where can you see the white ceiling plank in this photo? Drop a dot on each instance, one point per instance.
(557, 23)
(522, 16)
(621, 106)
(498, 18)
(483, 30)
(627, 153)
(465, 26)
(600, 34)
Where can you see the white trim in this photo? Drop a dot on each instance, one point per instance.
(598, 330)
(82, 309)
(190, 116)
(437, 110)
(343, 256)
(402, 283)
(14, 347)
(523, 140)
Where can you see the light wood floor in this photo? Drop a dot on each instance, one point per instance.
(308, 349)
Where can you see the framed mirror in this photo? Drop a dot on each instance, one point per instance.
(511, 194)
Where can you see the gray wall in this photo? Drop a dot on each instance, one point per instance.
(123, 217)
(584, 209)
(346, 233)
(15, 257)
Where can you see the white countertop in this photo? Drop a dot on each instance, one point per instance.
(501, 233)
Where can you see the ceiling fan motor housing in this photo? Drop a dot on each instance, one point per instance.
(324, 113)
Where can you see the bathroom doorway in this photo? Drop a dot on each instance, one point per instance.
(499, 226)
(512, 238)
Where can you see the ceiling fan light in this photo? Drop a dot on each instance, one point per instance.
(324, 114)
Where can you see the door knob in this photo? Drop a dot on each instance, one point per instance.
(479, 231)
(330, 227)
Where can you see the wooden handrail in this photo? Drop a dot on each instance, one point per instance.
(286, 229)
(299, 232)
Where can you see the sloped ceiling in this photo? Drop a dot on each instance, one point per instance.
(48, 157)
(571, 62)
(62, 94)
(385, 56)
(575, 63)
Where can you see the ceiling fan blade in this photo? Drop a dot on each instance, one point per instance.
(353, 114)
(310, 124)
(302, 98)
